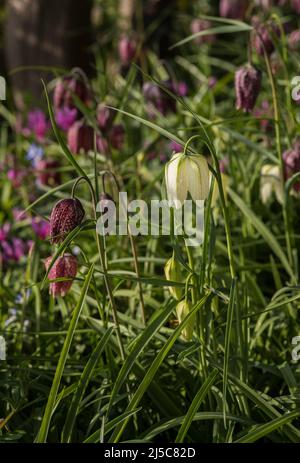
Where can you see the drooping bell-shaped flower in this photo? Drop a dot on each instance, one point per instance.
(247, 87)
(80, 137)
(173, 273)
(127, 50)
(294, 40)
(291, 159)
(67, 87)
(183, 308)
(234, 9)
(270, 183)
(186, 174)
(262, 37)
(64, 267)
(65, 216)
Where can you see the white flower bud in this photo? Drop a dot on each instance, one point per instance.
(187, 174)
(173, 273)
(182, 310)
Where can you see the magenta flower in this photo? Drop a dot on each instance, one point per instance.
(40, 227)
(16, 176)
(64, 267)
(38, 124)
(247, 87)
(264, 110)
(176, 147)
(65, 117)
(11, 248)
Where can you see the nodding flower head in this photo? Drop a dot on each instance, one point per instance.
(262, 37)
(80, 137)
(67, 87)
(64, 267)
(186, 174)
(65, 216)
(127, 50)
(291, 159)
(183, 308)
(234, 9)
(247, 87)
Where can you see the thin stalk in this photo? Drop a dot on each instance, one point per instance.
(100, 246)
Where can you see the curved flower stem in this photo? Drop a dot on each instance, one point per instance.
(133, 250)
(100, 246)
(279, 153)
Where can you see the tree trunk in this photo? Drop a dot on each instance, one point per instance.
(46, 33)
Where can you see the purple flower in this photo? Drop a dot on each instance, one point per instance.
(291, 159)
(64, 267)
(65, 117)
(38, 123)
(127, 50)
(247, 87)
(264, 110)
(11, 248)
(174, 146)
(104, 116)
(80, 137)
(73, 84)
(234, 9)
(47, 173)
(262, 37)
(40, 227)
(65, 216)
(34, 154)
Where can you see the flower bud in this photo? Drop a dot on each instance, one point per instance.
(64, 267)
(234, 9)
(80, 137)
(186, 174)
(182, 310)
(65, 216)
(247, 87)
(127, 50)
(46, 170)
(173, 273)
(291, 159)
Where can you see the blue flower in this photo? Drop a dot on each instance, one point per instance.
(34, 154)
